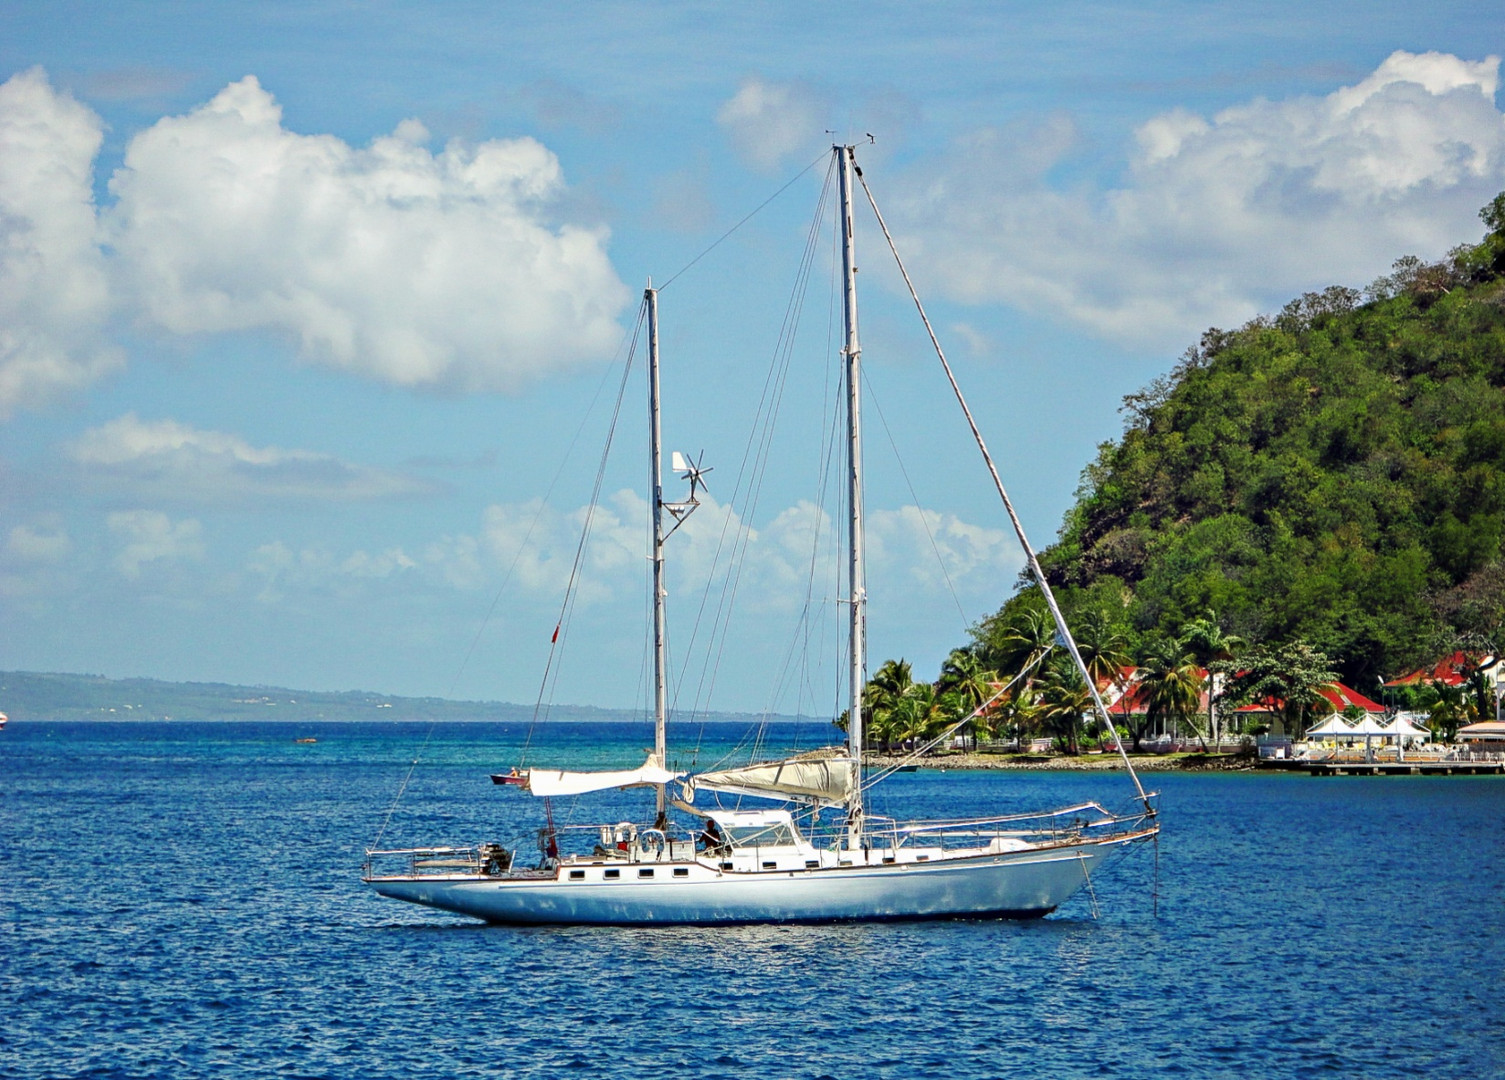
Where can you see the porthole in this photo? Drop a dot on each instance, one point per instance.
(681, 871)
(646, 871)
(577, 875)
(613, 874)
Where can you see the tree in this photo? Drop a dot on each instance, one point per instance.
(1063, 700)
(1013, 647)
(1291, 676)
(1450, 709)
(882, 699)
(964, 685)
(1170, 685)
(1104, 651)
(1207, 643)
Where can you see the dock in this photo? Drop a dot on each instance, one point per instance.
(1402, 768)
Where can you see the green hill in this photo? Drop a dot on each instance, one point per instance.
(1335, 473)
(27, 695)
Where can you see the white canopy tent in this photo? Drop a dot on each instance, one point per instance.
(1333, 725)
(1402, 728)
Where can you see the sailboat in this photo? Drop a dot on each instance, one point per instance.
(781, 863)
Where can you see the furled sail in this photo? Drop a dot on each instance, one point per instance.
(558, 782)
(824, 780)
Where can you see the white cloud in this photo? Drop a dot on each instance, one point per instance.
(415, 268)
(1220, 217)
(167, 460)
(768, 122)
(930, 548)
(151, 536)
(775, 560)
(39, 544)
(54, 291)
(315, 569)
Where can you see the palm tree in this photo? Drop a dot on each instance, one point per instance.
(1207, 643)
(1013, 647)
(1451, 709)
(881, 699)
(964, 685)
(1063, 700)
(1103, 650)
(917, 713)
(1170, 684)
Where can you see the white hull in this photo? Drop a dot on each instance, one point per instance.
(1020, 884)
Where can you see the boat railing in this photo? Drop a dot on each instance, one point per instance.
(479, 859)
(1063, 825)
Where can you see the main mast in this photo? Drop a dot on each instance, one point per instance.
(856, 585)
(656, 489)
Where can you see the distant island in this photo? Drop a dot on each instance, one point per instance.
(30, 695)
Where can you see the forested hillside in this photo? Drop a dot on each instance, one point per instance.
(1335, 474)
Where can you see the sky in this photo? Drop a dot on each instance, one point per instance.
(313, 317)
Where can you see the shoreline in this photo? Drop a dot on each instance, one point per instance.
(1186, 762)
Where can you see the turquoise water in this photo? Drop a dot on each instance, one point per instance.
(183, 900)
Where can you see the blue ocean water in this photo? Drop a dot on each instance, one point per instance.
(182, 900)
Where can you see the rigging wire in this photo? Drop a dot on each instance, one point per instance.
(753, 455)
(883, 420)
(571, 593)
(802, 632)
(788, 332)
(506, 579)
(717, 242)
(1008, 503)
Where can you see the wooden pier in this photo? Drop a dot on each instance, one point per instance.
(1402, 768)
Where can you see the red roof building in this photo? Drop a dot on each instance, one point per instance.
(1451, 670)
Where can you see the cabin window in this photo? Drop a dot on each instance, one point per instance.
(770, 866)
(888, 858)
(681, 871)
(577, 875)
(646, 871)
(726, 866)
(922, 858)
(811, 864)
(611, 874)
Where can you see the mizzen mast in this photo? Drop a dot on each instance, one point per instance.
(656, 489)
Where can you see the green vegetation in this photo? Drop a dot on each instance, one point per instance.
(1330, 482)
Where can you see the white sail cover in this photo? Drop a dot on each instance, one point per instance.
(545, 782)
(825, 780)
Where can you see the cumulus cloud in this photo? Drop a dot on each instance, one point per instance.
(1220, 217)
(166, 460)
(931, 547)
(769, 122)
(316, 569)
(38, 543)
(151, 536)
(415, 268)
(537, 543)
(54, 289)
